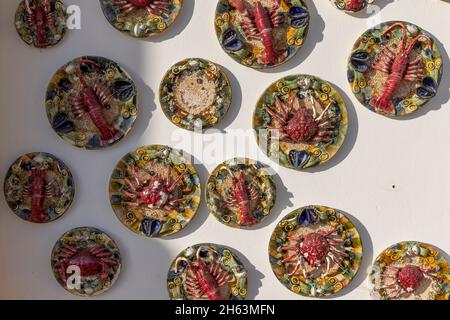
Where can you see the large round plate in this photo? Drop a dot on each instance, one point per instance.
(261, 36)
(390, 83)
(154, 191)
(39, 187)
(410, 270)
(86, 261)
(315, 251)
(240, 192)
(300, 121)
(141, 18)
(221, 264)
(350, 5)
(91, 102)
(195, 94)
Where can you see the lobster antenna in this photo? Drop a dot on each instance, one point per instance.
(404, 31)
(415, 40)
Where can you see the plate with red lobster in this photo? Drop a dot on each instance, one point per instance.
(207, 271)
(41, 23)
(395, 68)
(315, 251)
(141, 18)
(351, 5)
(91, 102)
(86, 261)
(155, 191)
(300, 121)
(261, 33)
(410, 270)
(39, 187)
(241, 192)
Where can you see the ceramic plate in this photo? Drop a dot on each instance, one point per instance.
(141, 18)
(388, 82)
(315, 251)
(261, 34)
(300, 121)
(351, 5)
(154, 191)
(41, 23)
(86, 261)
(39, 187)
(195, 94)
(240, 192)
(410, 270)
(91, 102)
(224, 277)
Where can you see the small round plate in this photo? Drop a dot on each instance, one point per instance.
(351, 5)
(224, 277)
(315, 251)
(240, 192)
(141, 18)
(410, 270)
(261, 33)
(91, 102)
(86, 261)
(395, 68)
(39, 187)
(41, 23)
(195, 94)
(155, 191)
(300, 121)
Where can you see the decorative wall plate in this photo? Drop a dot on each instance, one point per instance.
(300, 121)
(240, 192)
(207, 271)
(39, 187)
(351, 5)
(91, 102)
(141, 18)
(395, 68)
(154, 191)
(195, 94)
(261, 33)
(410, 270)
(41, 23)
(86, 261)
(315, 251)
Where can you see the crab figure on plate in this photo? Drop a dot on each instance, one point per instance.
(351, 5)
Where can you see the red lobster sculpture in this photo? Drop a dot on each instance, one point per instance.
(154, 7)
(398, 68)
(38, 190)
(260, 24)
(92, 100)
(40, 16)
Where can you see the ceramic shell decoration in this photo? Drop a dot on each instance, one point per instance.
(195, 94)
(410, 270)
(39, 187)
(351, 5)
(261, 33)
(41, 23)
(207, 271)
(141, 18)
(86, 261)
(395, 68)
(300, 121)
(91, 102)
(154, 191)
(315, 251)
(240, 192)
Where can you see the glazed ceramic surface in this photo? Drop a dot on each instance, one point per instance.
(395, 68)
(240, 192)
(351, 5)
(207, 271)
(141, 18)
(41, 23)
(195, 94)
(86, 261)
(315, 251)
(39, 187)
(154, 191)
(300, 121)
(410, 270)
(91, 102)
(261, 34)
